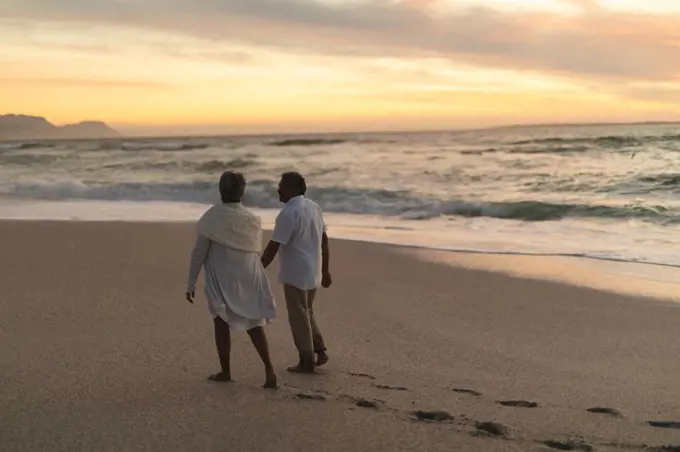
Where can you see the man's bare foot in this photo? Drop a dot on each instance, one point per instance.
(302, 369)
(222, 377)
(271, 381)
(321, 359)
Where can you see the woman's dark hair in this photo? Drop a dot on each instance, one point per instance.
(232, 186)
(296, 182)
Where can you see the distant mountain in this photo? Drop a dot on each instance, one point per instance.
(22, 127)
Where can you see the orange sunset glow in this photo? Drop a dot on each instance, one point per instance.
(312, 65)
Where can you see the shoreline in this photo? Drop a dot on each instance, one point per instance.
(615, 277)
(651, 280)
(483, 235)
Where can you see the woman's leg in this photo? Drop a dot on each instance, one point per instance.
(223, 343)
(259, 340)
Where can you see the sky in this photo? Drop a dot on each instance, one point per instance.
(252, 66)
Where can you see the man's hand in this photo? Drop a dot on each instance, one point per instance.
(190, 297)
(269, 253)
(326, 280)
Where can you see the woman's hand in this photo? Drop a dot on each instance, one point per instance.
(326, 280)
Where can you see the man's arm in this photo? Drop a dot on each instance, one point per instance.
(325, 255)
(269, 253)
(326, 280)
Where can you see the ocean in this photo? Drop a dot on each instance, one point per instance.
(605, 192)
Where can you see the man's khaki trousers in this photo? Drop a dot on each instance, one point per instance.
(306, 333)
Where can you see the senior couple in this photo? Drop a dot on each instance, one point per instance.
(228, 244)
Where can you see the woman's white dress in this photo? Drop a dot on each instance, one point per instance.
(236, 284)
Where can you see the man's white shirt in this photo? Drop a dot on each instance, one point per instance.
(299, 228)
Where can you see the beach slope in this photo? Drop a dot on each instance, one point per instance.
(100, 351)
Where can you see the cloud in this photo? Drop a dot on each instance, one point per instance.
(234, 57)
(83, 48)
(86, 82)
(596, 43)
(661, 94)
(588, 5)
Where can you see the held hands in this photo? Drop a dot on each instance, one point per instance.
(326, 280)
(190, 297)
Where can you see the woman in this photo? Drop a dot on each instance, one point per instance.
(239, 296)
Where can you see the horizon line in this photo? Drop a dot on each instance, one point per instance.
(414, 131)
(355, 132)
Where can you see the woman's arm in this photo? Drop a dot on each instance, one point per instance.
(198, 256)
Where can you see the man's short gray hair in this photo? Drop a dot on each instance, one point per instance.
(232, 186)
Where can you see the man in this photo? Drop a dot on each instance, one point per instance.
(301, 242)
(239, 296)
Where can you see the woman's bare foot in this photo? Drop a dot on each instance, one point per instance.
(221, 377)
(271, 381)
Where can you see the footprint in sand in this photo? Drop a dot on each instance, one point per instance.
(362, 375)
(433, 416)
(492, 429)
(518, 403)
(467, 391)
(602, 410)
(363, 403)
(568, 445)
(312, 396)
(664, 424)
(392, 388)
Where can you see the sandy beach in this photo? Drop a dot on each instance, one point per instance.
(100, 352)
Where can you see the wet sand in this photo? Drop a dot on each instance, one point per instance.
(100, 351)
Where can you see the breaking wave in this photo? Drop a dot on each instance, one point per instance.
(219, 165)
(605, 141)
(262, 194)
(543, 211)
(158, 146)
(562, 149)
(307, 142)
